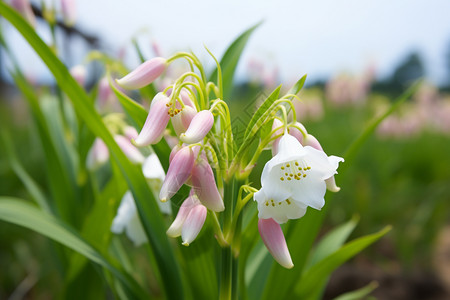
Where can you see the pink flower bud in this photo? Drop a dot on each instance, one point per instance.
(313, 142)
(182, 120)
(97, 155)
(174, 151)
(273, 238)
(157, 120)
(24, 8)
(297, 133)
(175, 229)
(130, 132)
(78, 72)
(276, 124)
(179, 171)
(200, 125)
(205, 185)
(193, 224)
(105, 93)
(145, 74)
(133, 153)
(69, 12)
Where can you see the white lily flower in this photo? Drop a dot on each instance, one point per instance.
(294, 179)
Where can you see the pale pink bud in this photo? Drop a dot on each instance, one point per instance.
(105, 93)
(276, 124)
(157, 120)
(69, 12)
(79, 72)
(273, 238)
(193, 224)
(133, 153)
(313, 142)
(205, 185)
(200, 125)
(179, 171)
(175, 228)
(174, 151)
(24, 8)
(145, 74)
(130, 133)
(297, 133)
(97, 155)
(182, 120)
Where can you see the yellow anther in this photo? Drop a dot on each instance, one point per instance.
(304, 169)
(288, 165)
(282, 167)
(282, 178)
(296, 163)
(267, 203)
(304, 175)
(289, 178)
(288, 202)
(291, 174)
(309, 168)
(273, 204)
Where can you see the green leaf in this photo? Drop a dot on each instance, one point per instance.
(138, 114)
(332, 242)
(257, 119)
(230, 59)
(18, 212)
(297, 86)
(311, 280)
(32, 187)
(149, 213)
(359, 293)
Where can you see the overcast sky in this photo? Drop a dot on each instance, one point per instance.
(320, 37)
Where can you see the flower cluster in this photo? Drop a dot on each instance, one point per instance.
(206, 158)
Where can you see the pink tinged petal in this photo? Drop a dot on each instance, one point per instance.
(186, 99)
(179, 171)
(157, 120)
(24, 8)
(97, 155)
(182, 120)
(174, 151)
(133, 153)
(185, 208)
(145, 74)
(105, 93)
(79, 72)
(69, 12)
(193, 224)
(273, 238)
(200, 125)
(205, 185)
(313, 142)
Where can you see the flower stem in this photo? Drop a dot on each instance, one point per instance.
(226, 274)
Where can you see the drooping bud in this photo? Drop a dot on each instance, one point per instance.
(156, 122)
(295, 132)
(105, 94)
(78, 73)
(24, 8)
(145, 74)
(193, 224)
(69, 12)
(182, 120)
(205, 185)
(176, 226)
(179, 171)
(130, 133)
(313, 142)
(273, 238)
(276, 124)
(133, 153)
(97, 155)
(200, 125)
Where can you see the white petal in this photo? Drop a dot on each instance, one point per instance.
(135, 231)
(127, 210)
(152, 168)
(280, 211)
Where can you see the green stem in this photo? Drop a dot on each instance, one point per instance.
(226, 274)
